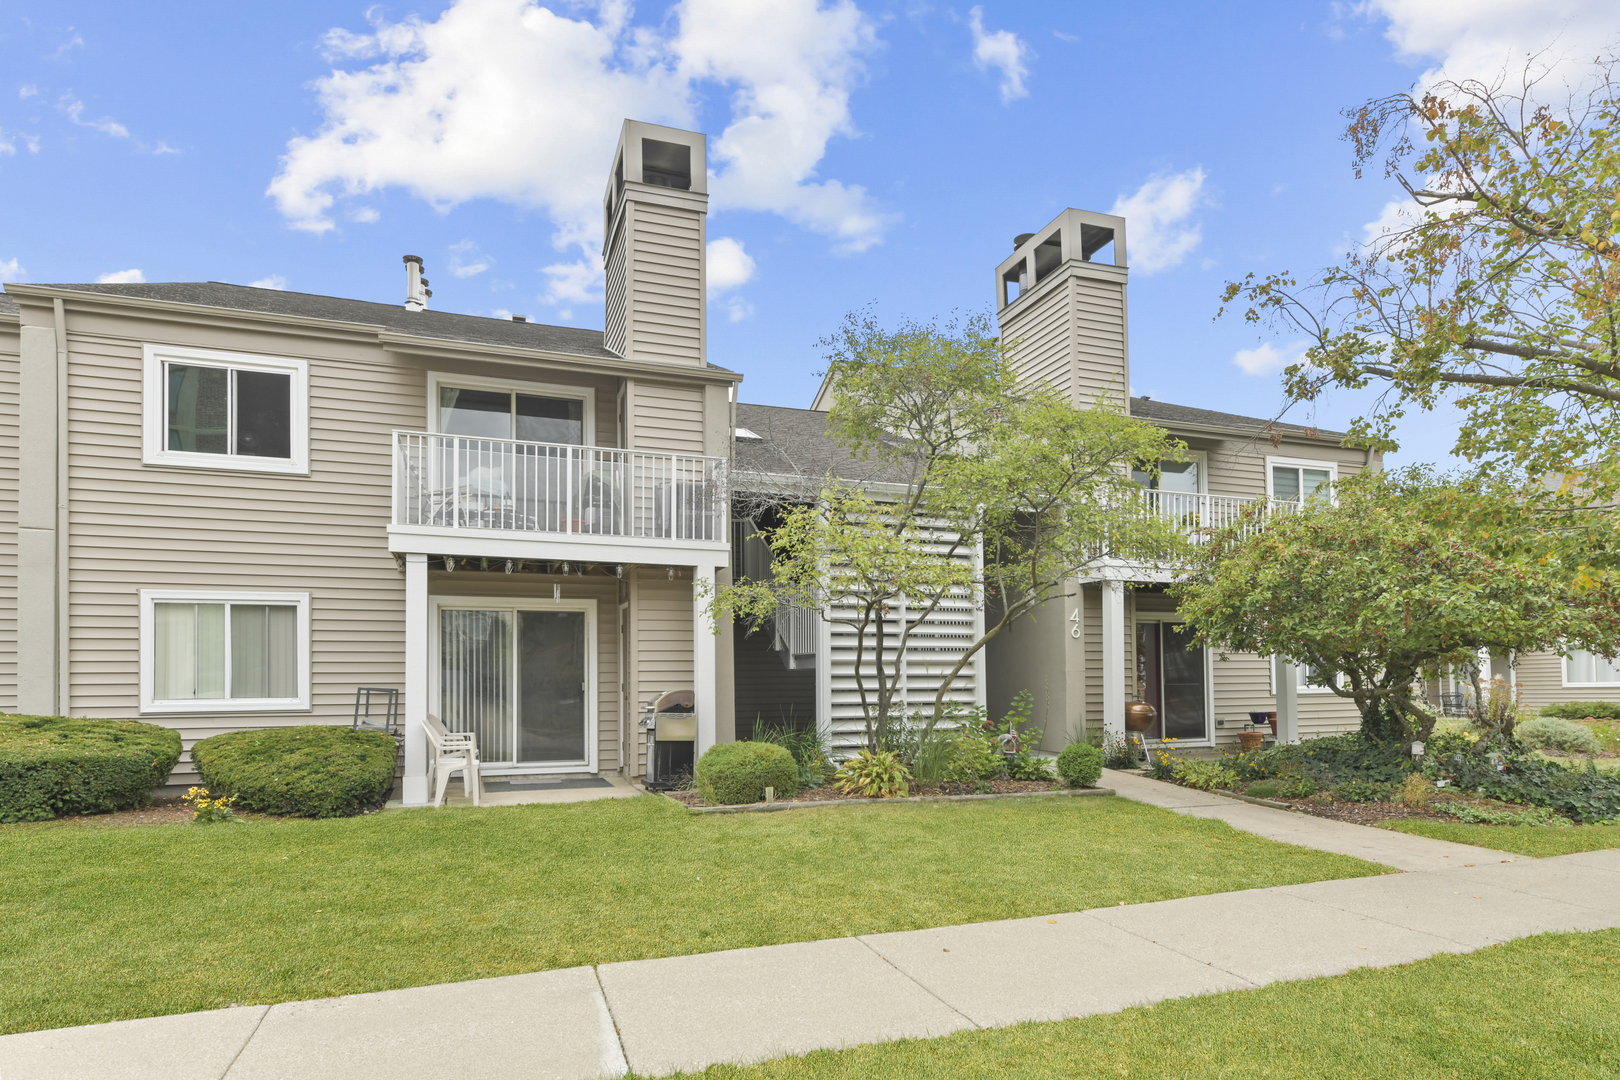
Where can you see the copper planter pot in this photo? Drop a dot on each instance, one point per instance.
(1139, 716)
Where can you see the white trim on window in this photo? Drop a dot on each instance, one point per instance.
(593, 719)
(586, 394)
(1332, 468)
(154, 422)
(149, 704)
(1300, 686)
(1564, 660)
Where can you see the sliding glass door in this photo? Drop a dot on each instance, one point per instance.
(1171, 675)
(520, 679)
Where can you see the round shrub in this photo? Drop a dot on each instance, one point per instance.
(312, 771)
(734, 773)
(1080, 764)
(1556, 733)
(56, 765)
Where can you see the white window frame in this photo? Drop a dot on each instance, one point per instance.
(149, 704)
(1563, 664)
(586, 394)
(1300, 686)
(1332, 468)
(155, 399)
(1202, 458)
(593, 718)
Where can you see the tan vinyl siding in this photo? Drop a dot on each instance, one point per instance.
(1040, 336)
(663, 631)
(665, 284)
(617, 285)
(9, 349)
(1237, 464)
(669, 418)
(1540, 679)
(1071, 334)
(1099, 339)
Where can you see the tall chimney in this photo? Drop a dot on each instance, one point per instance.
(1062, 312)
(654, 211)
(416, 290)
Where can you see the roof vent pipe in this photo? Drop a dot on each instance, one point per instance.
(416, 290)
(1021, 238)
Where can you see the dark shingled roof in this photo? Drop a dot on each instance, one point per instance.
(1170, 415)
(8, 306)
(795, 442)
(446, 325)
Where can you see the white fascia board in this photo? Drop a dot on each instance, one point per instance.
(503, 544)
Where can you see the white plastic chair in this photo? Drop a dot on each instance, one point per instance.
(451, 752)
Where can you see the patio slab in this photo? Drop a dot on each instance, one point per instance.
(1047, 968)
(750, 1005)
(188, 1046)
(617, 787)
(553, 1025)
(1269, 935)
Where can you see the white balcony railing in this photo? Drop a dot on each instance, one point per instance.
(1198, 514)
(464, 483)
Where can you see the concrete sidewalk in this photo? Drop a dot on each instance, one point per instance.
(658, 1016)
(1403, 851)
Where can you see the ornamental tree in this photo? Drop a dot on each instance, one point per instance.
(1400, 576)
(1501, 289)
(970, 482)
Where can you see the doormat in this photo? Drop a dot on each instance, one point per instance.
(543, 783)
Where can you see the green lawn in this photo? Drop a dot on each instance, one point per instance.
(100, 924)
(1537, 840)
(1537, 1007)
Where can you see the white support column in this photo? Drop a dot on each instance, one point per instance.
(1113, 656)
(418, 654)
(1287, 676)
(703, 657)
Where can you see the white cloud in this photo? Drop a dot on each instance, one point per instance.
(122, 277)
(7, 147)
(27, 91)
(1158, 231)
(728, 266)
(10, 271)
(467, 261)
(576, 282)
(106, 124)
(274, 281)
(1471, 39)
(363, 215)
(1001, 50)
(164, 148)
(1267, 358)
(74, 42)
(737, 309)
(509, 100)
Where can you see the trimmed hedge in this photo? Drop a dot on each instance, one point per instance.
(1080, 764)
(312, 771)
(1580, 710)
(734, 773)
(51, 766)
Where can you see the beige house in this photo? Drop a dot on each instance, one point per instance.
(230, 507)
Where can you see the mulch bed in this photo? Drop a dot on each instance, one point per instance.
(828, 793)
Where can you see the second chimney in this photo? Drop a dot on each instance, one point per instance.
(416, 290)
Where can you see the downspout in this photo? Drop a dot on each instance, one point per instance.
(63, 595)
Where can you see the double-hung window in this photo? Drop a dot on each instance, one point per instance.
(1582, 668)
(1299, 481)
(224, 651)
(222, 410)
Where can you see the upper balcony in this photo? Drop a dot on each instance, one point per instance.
(1199, 514)
(460, 495)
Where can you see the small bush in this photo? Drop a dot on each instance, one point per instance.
(1557, 733)
(876, 776)
(1119, 752)
(730, 774)
(1363, 791)
(1580, 710)
(1416, 792)
(56, 765)
(1026, 766)
(1204, 775)
(1080, 765)
(806, 744)
(973, 758)
(315, 771)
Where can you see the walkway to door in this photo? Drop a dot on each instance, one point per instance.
(522, 790)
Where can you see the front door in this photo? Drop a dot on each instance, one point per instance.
(519, 678)
(1172, 677)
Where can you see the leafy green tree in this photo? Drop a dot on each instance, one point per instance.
(1400, 577)
(975, 483)
(1501, 291)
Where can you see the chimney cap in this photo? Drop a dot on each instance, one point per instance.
(417, 259)
(1018, 241)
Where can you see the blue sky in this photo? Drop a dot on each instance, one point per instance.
(881, 153)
